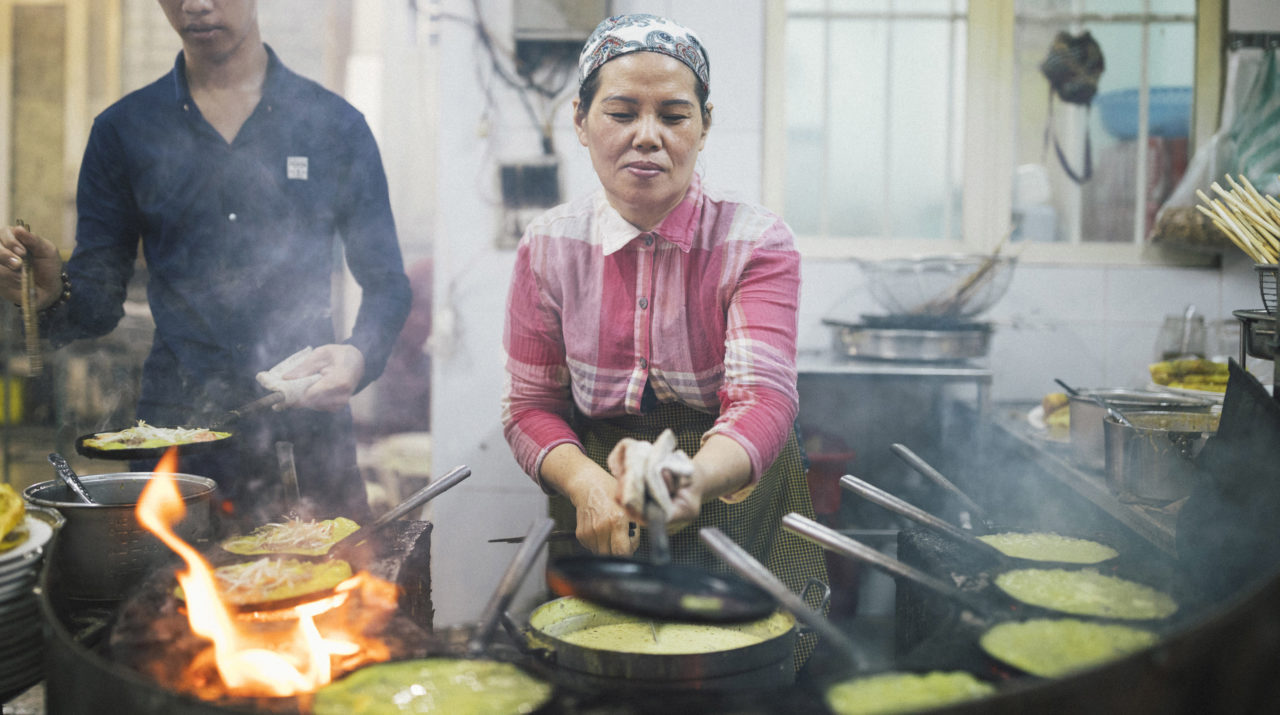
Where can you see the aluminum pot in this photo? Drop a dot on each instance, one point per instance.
(105, 551)
(1085, 417)
(1151, 462)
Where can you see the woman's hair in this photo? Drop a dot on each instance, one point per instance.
(587, 93)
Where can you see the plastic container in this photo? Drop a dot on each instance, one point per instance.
(1168, 112)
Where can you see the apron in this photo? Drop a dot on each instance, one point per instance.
(755, 523)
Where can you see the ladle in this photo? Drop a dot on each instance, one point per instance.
(925, 469)
(1112, 412)
(68, 477)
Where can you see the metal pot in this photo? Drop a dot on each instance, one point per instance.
(1152, 461)
(104, 550)
(1085, 416)
(921, 345)
(765, 664)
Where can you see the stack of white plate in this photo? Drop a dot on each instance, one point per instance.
(21, 632)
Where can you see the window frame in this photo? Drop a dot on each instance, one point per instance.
(986, 204)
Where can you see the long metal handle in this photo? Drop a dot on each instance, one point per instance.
(288, 473)
(880, 497)
(515, 574)
(69, 477)
(925, 469)
(836, 542)
(659, 539)
(261, 403)
(751, 569)
(414, 500)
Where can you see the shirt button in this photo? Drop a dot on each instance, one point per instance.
(644, 363)
(644, 303)
(186, 107)
(231, 217)
(648, 240)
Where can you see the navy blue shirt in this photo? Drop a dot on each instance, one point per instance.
(240, 241)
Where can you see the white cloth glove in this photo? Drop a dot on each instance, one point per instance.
(292, 388)
(658, 469)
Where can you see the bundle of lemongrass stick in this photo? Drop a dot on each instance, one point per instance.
(1249, 218)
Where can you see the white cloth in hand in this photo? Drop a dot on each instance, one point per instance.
(292, 388)
(658, 469)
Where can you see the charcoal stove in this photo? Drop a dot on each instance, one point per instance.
(83, 675)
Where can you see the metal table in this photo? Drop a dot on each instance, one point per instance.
(825, 362)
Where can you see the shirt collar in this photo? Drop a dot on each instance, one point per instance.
(271, 86)
(678, 227)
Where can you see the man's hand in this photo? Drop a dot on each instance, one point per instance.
(17, 243)
(339, 367)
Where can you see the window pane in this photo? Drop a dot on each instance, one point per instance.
(920, 95)
(806, 89)
(1130, 179)
(856, 195)
(804, 5)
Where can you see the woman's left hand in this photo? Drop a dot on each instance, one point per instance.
(340, 368)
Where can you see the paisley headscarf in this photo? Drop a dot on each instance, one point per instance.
(641, 32)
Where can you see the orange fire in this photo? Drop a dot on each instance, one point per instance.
(266, 654)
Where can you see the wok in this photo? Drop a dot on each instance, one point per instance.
(228, 418)
(348, 546)
(658, 588)
(671, 591)
(904, 508)
(1004, 606)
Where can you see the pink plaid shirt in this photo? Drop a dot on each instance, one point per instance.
(703, 307)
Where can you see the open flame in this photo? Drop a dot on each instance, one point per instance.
(265, 654)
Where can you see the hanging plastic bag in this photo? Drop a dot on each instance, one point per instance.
(1178, 221)
(1255, 133)
(1073, 66)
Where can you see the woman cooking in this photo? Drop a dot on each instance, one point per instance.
(658, 303)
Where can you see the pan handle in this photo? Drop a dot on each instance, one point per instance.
(516, 571)
(751, 569)
(900, 506)
(927, 470)
(836, 542)
(525, 641)
(413, 501)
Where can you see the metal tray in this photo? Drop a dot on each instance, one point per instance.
(910, 344)
(1257, 334)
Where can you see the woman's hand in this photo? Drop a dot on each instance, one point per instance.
(603, 526)
(720, 467)
(340, 368)
(17, 243)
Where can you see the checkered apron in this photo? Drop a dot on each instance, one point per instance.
(755, 523)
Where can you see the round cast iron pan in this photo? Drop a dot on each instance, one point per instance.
(131, 453)
(672, 591)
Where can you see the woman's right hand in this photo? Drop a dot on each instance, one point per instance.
(603, 525)
(17, 243)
